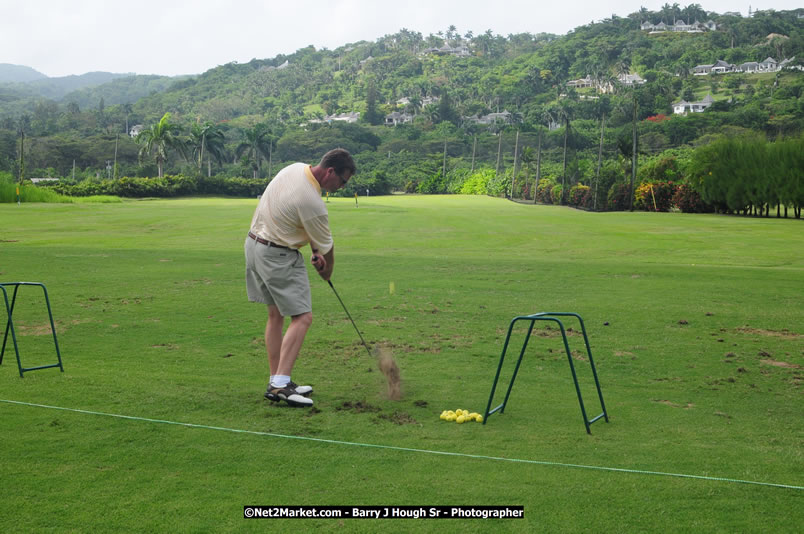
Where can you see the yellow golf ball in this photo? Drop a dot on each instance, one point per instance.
(479, 418)
(460, 419)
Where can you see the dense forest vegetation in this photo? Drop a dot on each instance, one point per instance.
(484, 114)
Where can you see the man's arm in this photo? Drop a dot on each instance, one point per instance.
(324, 262)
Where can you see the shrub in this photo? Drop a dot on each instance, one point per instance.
(243, 187)
(498, 185)
(556, 194)
(543, 190)
(656, 196)
(477, 183)
(181, 185)
(168, 186)
(433, 185)
(619, 197)
(588, 200)
(411, 186)
(578, 194)
(689, 201)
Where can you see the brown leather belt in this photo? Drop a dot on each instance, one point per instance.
(262, 241)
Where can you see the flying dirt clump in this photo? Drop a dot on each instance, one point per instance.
(390, 369)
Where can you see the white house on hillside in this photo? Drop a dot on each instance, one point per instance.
(722, 67)
(630, 79)
(351, 117)
(679, 26)
(460, 51)
(392, 119)
(504, 117)
(682, 108)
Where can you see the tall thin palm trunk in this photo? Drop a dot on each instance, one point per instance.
(513, 173)
(564, 167)
(538, 166)
(599, 159)
(633, 156)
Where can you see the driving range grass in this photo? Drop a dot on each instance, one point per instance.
(695, 324)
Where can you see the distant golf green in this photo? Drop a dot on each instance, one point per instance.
(695, 323)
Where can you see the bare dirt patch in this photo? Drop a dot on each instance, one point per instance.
(36, 330)
(399, 418)
(775, 363)
(675, 405)
(551, 332)
(358, 407)
(578, 356)
(784, 333)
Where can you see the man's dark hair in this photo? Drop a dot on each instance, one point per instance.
(340, 160)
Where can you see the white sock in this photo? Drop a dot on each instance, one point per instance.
(280, 381)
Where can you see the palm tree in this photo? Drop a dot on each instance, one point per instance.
(127, 109)
(257, 145)
(628, 105)
(22, 126)
(603, 107)
(207, 139)
(676, 9)
(414, 104)
(566, 112)
(432, 113)
(160, 138)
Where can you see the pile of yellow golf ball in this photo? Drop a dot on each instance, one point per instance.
(461, 416)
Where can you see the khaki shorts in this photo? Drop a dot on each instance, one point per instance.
(277, 276)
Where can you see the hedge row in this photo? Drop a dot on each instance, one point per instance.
(653, 196)
(735, 174)
(168, 186)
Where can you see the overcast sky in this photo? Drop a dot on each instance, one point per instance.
(170, 37)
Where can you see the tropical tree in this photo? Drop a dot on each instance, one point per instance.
(603, 107)
(566, 111)
(126, 109)
(207, 139)
(372, 115)
(414, 104)
(159, 139)
(256, 146)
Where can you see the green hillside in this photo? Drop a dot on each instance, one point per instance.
(18, 73)
(463, 102)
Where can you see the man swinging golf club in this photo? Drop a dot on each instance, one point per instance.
(291, 214)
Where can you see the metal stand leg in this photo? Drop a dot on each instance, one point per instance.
(547, 316)
(10, 326)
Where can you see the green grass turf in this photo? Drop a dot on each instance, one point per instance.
(695, 326)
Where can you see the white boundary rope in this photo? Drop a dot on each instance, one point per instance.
(406, 449)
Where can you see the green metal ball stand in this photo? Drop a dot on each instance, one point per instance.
(10, 326)
(552, 317)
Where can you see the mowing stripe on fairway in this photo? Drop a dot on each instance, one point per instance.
(406, 449)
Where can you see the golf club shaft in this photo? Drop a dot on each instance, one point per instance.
(349, 316)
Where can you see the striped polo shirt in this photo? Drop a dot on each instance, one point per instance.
(291, 212)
